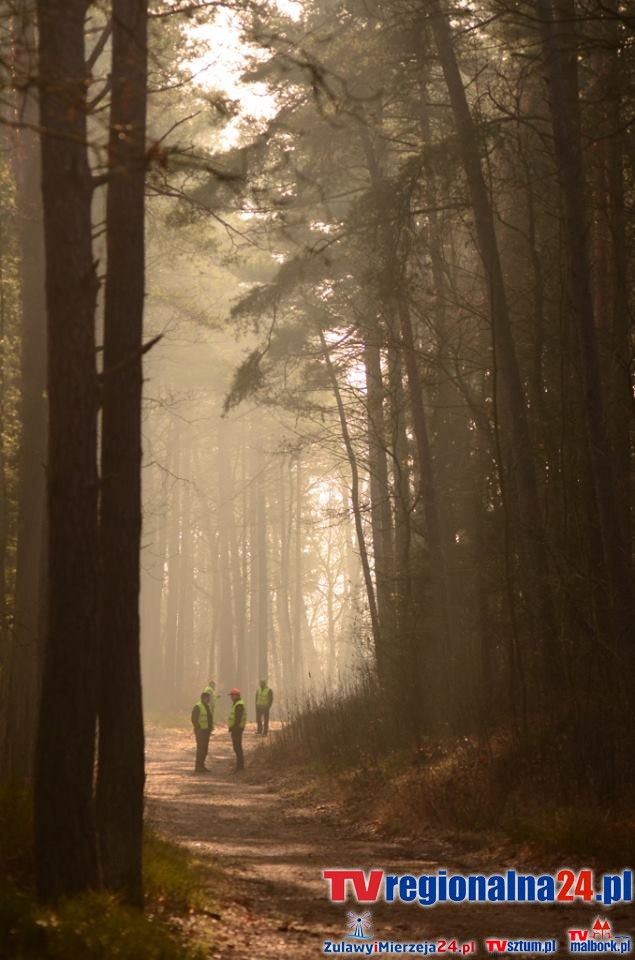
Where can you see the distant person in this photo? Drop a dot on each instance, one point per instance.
(213, 698)
(202, 723)
(264, 699)
(236, 723)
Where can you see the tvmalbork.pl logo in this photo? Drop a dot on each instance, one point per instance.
(599, 939)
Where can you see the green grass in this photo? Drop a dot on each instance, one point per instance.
(16, 833)
(95, 926)
(173, 879)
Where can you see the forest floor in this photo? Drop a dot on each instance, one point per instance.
(267, 843)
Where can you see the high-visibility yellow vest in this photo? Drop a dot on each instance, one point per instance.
(262, 697)
(202, 715)
(231, 722)
(213, 697)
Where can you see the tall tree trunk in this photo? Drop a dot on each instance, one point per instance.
(253, 559)
(65, 849)
(620, 400)
(380, 654)
(238, 585)
(24, 659)
(505, 360)
(121, 743)
(426, 470)
(214, 634)
(282, 596)
(560, 50)
(299, 636)
(380, 512)
(226, 605)
(401, 494)
(262, 562)
(155, 529)
(173, 577)
(185, 615)
(8, 686)
(397, 309)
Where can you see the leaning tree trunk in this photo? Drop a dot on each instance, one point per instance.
(65, 854)
(379, 644)
(121, 745)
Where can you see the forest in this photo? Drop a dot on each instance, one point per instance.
(316, 365)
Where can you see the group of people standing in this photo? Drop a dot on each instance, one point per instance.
(203, 720)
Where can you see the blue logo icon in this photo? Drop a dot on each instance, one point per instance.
(358, 923)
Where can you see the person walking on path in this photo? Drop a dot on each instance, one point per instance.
(236, 723)
(264, 699)
(202, 722)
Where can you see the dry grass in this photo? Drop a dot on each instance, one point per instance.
(466, 787)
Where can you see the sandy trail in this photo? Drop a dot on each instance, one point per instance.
(274, 851)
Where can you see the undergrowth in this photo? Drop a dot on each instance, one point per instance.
(173, 881)
(95, 925)
(527, 793)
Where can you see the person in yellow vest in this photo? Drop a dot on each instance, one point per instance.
(213, 697)
(264, 699)
(236, 723)
(202, 724)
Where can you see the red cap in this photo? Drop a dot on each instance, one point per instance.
(235, 692)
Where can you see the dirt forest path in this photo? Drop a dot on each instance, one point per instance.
(273, 851)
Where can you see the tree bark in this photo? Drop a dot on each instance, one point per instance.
(238, 591)
(173, 578)
(380, 512)
(65, 849)
(380, 658)
(505, 360)
(24, 659)
(560, 51)
(226, 603)
(121, 742)
(262, 561)
(299, 636)
(185, 612)
(282, 593)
